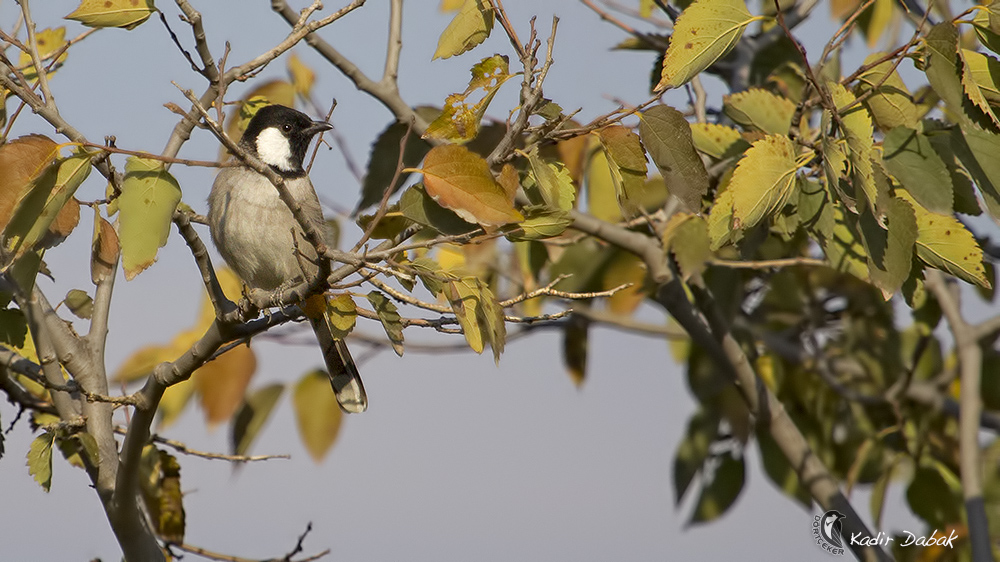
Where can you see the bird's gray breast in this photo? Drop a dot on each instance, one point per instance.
(253, 229)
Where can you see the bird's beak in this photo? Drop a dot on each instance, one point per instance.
(318, 127)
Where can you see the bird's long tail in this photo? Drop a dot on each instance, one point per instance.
(344, 376)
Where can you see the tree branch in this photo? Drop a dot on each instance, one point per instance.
(970, 360)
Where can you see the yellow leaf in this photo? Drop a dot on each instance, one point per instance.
(48, 41)
(317, 413)
(763, 180)
(302, 76)
(717, 141)
(278, 92)
(222, 383)
(625, 268)
(704, 33)
(113, 13)
(175, 399)
(881, 15)
(459, 120)
(859, 134)
(451, 5)
(891, 104)
(47, 197)
(627, 160)
(460, 180)
(40, 459)
(760, 110)
(602, 201)
(146, 206)
(944, 243)
(470, 27)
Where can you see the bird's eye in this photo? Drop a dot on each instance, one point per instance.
(286, 128)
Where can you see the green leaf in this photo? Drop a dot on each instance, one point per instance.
(126, 14)
(252, 415)
(575, 343)
(627, 162)
(417, 206)
(316, 413)
(986, 22)
(976, 66)
(79, 303)
(890, 105)
(460, 180)
(944, 243)
(384, 158)
(554, 182)
(859, 132)
(38, 209)
(13, 328)
(478, 313)
(932, 499)
(391, 321)
(779, 470)
(760, 110)
(720, 487)
(667, 136)
(149, 196)
(844, 250)
(890, 250)
(910, 157)
(40, 459)
(943, 67)
(702, 430)
(984, 72)
(978, 150)
(704, 33)
(542, 223)
(460, 119)
(763, 180)
(470, 27)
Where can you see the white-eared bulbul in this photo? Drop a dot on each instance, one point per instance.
(257, 235)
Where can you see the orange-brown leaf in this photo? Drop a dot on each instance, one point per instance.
(460, 180)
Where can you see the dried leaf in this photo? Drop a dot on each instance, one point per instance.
(222, 383)
(104, 250)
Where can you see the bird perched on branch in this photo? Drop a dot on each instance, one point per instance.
(260, 238)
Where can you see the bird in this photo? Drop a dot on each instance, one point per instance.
(261, 241)
(832, 527)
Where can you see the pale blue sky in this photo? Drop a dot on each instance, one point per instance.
(456, 459)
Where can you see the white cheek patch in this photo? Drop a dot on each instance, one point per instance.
(274, 150)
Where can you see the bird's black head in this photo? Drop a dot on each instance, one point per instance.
(280, 137)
